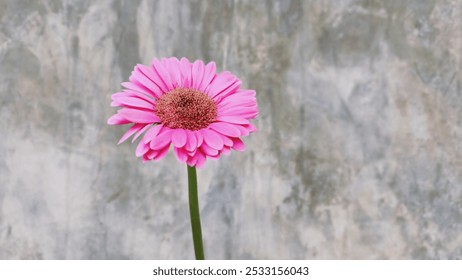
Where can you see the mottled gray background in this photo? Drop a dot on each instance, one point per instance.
(358, 154)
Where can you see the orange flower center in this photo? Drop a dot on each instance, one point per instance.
(186, 108)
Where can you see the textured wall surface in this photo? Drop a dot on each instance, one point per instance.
(358, 154)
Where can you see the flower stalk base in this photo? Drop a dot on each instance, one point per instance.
(195, 214)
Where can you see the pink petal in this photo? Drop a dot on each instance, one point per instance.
(226, 129)
(215, 157)
(168, 79)
(134, 102)
(226, 150)
(152, 133)
(140, 132)
(173, 67)
(135, 87)
(244, 131)
(162, 153)
(181, 155)
(141, 149)
(185, 67)
(145, 158)
(209, 74)
(226, 140)
(139, 116)
(151, 154)
(179, 138)
(153, 76)
(227, 92)
(192, 160)
(162, 72)
(238, 144)
(233, 119)
(116, 104)
(117, 119)
(132, 93)
(245, 115)
(238, 98)
(191, 142)
(250, 127)
(212, 138)
(139, 76)
(238, 111)
(130, 132)
(222, 82)
(246, 92)
(199, 138)
(139, 84)
(208, 150)
(200, 159)
(192, 153)
(161, 140)
(237, 102)
(197, 73)
(250, 115)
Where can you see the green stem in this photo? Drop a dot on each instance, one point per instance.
(195, 214)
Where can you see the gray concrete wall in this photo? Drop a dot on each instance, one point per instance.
(358, 154)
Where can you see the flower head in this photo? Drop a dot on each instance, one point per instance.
(189, 106)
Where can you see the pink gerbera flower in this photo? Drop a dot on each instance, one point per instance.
(189, 106)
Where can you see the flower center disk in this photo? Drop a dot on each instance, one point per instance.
(186, 108)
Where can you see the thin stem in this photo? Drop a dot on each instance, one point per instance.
(195, 214)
